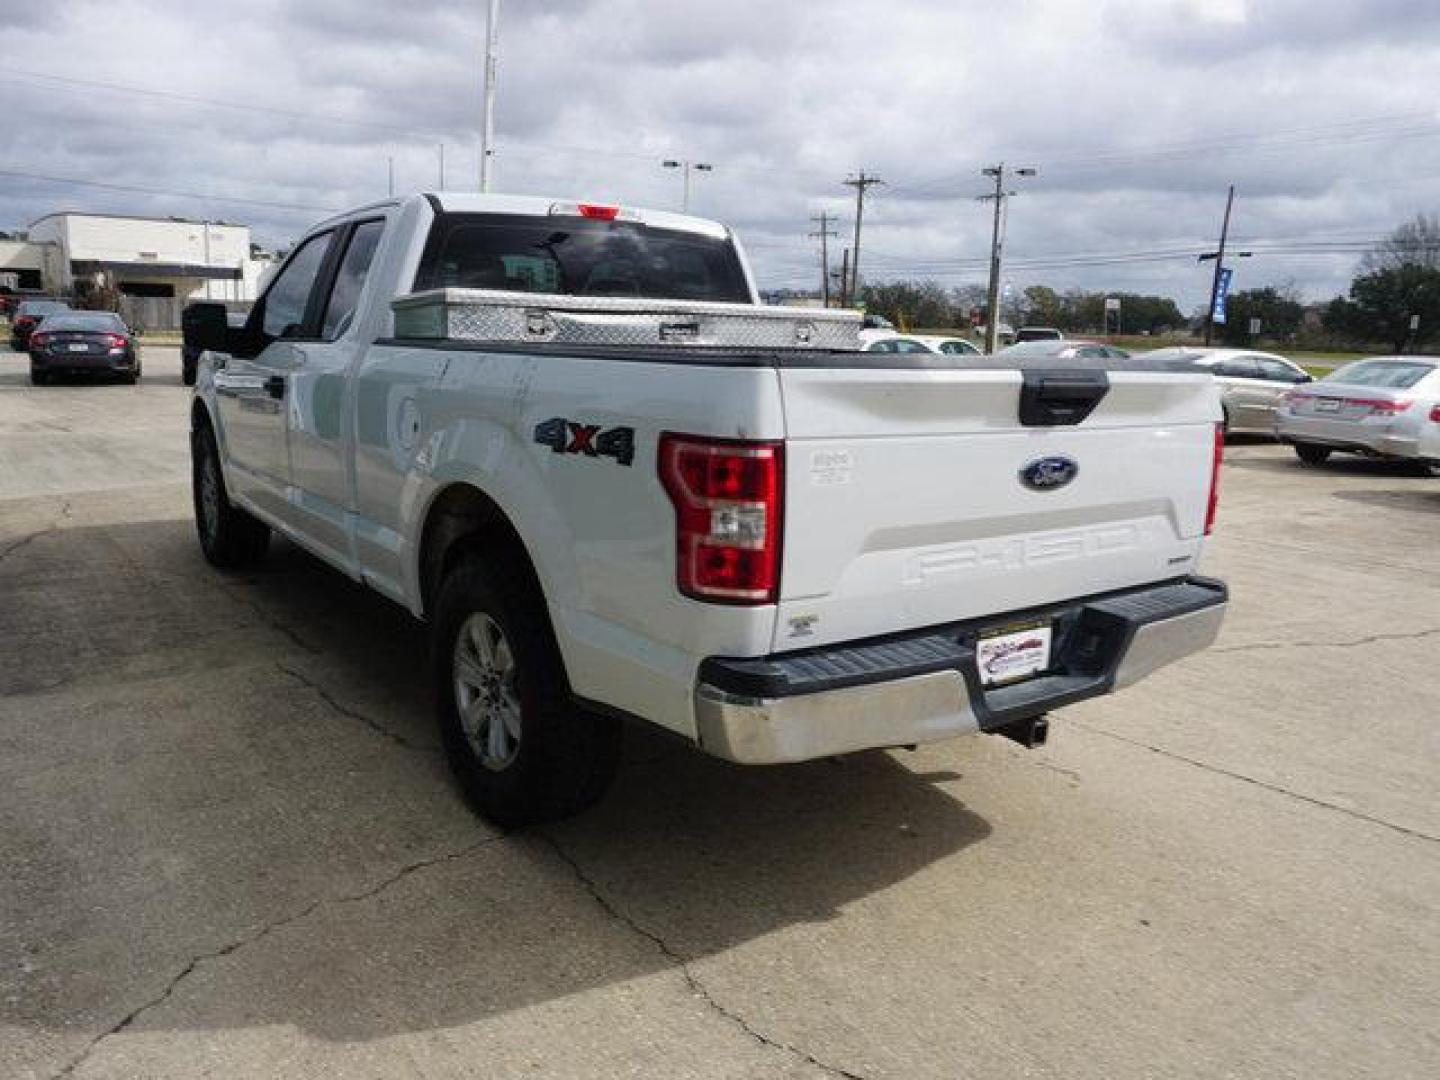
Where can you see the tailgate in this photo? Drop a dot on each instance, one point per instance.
(907, 503)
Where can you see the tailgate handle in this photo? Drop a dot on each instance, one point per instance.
(1060, 397)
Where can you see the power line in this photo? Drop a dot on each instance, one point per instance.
(135, 189)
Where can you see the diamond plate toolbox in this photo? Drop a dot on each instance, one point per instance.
(512, 317)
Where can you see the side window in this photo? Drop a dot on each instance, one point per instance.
(957, 348)
(289, 294)
(1092, 352)
(1275, 371)
(884, 345)
(1239, 368)
(904, 345)
(350, 278)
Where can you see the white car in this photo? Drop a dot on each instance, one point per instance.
(921, 343)
(1252, 384)
(568, 437)
(1388, 408)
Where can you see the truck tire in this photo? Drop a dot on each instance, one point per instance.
(1311, 454)
(188, 366)
(229, 537)
(523, 751)
(37, 377)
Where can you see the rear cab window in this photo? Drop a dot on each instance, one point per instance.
(572, 256)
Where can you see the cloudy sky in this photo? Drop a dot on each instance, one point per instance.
(1137, 113)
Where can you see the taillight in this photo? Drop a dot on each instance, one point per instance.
(39, 339)
(1435, 414)
(1379, 407)
(115, 341)
(727, 496)
(1216, 461)
(1290, 397)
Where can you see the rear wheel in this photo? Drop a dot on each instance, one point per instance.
(1311, 454)
(522, 750)
(188, 366)
(38, 377)
(229, 537)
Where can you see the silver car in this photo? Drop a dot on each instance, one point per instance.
(1252, 384)
(1388, 407)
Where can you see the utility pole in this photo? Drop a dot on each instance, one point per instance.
(1219, 256)
(997, 246)
(442, 166)
(824, 232)
(390, 166)
(845, 279)
(859, 182)
(487, 131)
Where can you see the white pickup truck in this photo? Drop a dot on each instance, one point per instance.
(568, 437)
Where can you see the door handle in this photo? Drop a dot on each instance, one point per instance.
(275, 386)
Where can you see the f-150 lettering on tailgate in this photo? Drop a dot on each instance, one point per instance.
(1017, 552)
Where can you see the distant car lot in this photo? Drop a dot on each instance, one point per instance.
(230, 847)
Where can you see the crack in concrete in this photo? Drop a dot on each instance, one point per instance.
(266, 618)
(682, 964)
(194, 963)
(354, 714)
(1359, 815)
(1372, 639)
(26, 541)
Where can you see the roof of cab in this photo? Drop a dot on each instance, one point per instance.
(465, 202)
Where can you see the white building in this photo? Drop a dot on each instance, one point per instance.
(177, 258)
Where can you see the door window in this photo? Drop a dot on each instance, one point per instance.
(350, 279)
(1279, 371)
(289, 296)
(1240, 367)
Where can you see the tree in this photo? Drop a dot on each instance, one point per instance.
(1415, 243)
(1382, 303)
(1398, 280)
(1279, 312)
(1042, 307)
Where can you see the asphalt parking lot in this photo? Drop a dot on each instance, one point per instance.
(230, 848)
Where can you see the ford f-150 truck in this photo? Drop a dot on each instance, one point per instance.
(568, 437)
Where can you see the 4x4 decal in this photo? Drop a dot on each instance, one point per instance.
(570, 437)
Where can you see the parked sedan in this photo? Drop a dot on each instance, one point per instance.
(1064, 349)
(28, 314)
(90, 342)
(1387, 408)
(1252, 384)
(922, 343)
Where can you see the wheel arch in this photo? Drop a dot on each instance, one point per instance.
(460, 519)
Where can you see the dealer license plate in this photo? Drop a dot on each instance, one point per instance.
(79, 348)
(1327, 405)
(1013, 653)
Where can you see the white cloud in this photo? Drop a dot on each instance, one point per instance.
(1138, 112)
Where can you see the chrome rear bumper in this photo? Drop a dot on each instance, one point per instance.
(925, 687)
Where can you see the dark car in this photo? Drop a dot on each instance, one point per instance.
(189, 354)
(27, 316)
(83, 342)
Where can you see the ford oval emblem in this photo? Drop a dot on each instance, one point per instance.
(1049, 473)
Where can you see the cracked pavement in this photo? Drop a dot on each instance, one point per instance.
(231, 850)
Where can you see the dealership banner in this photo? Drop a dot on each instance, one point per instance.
(1222, 290)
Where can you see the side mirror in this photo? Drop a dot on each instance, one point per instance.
(1305, 377)
(204, 326)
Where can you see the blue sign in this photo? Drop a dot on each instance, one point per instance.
(1221, 292)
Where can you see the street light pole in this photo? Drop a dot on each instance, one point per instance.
(487, 131)
(685, 167)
